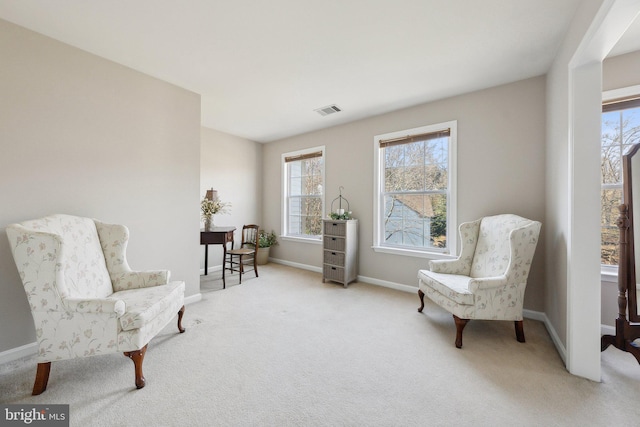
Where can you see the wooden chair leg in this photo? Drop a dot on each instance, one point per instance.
(519, 330)
(460, 324)
(606, 341)
(241, 269)
(42, 378)
(180, 314)
(138, 357)
(255, 262)
(421, 295)
(224, 268)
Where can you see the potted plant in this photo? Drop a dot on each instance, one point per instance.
(265, 241)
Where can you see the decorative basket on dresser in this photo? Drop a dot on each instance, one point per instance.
(340, 254)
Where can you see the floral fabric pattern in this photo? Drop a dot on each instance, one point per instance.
(113, 240)
(67, 277)
(461, 265)
(500, 263)
(145, 304)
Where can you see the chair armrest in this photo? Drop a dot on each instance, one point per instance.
(139, 279)
(95, 305)
(114, 239)
(487, 283)
(461, 265)
(450, 266)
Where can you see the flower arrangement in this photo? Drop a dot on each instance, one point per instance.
(212, 207)
(266, 240)
(337, 215)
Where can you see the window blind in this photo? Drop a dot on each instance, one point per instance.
(415, 138)
(621, 104)
(303, 157)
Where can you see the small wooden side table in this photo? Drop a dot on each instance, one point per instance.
(216, 236)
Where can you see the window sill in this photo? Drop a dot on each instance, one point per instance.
(412, 253)
(609, 274)
(313, 241)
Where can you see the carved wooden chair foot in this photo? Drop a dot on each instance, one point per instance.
(180, 314)
(606, 341)
(460, 324)
(421, 296)
(42, 378)
(519, 330)
(138, 357)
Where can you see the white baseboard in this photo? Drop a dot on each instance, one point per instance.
(387, 284)
(562, 351)
(607, 330)
(211, 269)
(192, 298)
(18, 352)
(536, 315)
(296, 265)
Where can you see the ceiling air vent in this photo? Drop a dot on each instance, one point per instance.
(330, 109)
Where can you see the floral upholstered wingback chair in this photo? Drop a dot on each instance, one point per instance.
(488, 279)
(84, 298)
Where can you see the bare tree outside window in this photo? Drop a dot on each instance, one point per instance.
(620, 131)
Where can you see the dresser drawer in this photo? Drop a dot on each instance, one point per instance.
(334, 273)
(335, 258)
(335, 228)
(340, 250)
(333, 243)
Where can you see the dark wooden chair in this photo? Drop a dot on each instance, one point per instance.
(247, 250)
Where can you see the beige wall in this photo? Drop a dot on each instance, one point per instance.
(84, 136)
(501, 154)
(558, 225)
(617, 72)
(232, 166)
(621, 71)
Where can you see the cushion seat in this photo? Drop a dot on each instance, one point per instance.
(144, 304)
(453, 286)
(244, 251)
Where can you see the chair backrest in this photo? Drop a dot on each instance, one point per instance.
(493, 250)
(59, 256)
(250, 235)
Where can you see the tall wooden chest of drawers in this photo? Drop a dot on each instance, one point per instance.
(340, 251)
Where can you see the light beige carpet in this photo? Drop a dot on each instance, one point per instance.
(285, 349)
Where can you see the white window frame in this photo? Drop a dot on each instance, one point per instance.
(285, 193)
(609, 273)
(378, 195)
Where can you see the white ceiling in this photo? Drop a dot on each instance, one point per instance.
(262, 67)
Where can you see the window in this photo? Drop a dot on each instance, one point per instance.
(414, 201)
(303, 200)
(620, 130)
